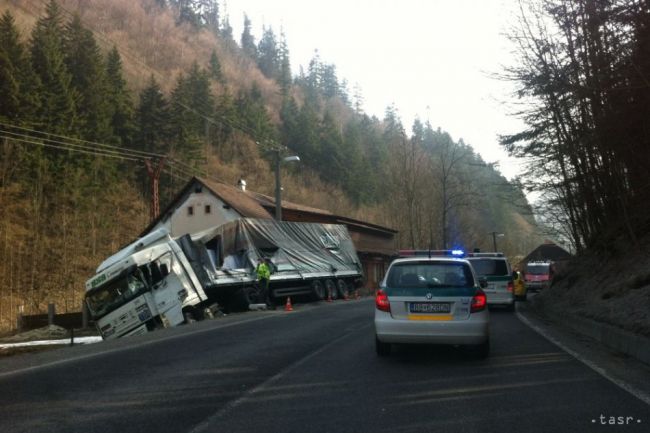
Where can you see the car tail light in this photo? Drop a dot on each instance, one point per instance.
(479, 301)
(381, 301)
(511, 286)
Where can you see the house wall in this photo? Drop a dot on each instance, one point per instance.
(181, 221)
(374, 269)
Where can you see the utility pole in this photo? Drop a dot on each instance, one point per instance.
(494, 239)
(154, 178)
(278, 187)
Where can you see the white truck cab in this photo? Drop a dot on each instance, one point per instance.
(144, 286)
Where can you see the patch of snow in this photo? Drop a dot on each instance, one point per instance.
(77, 340)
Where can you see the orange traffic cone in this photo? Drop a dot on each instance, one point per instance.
(288, 306)
(329, 295)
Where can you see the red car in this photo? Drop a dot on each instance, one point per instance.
(538, 275)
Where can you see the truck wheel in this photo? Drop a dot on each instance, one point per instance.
(189, 317)
(330, 288)
(342, 288)
(318, 290)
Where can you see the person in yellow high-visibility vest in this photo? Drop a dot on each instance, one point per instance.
(263, 277)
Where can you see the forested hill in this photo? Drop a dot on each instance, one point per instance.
(90, 90)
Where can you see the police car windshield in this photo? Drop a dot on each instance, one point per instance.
(489, 267)
(429, 275)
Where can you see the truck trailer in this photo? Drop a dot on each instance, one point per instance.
(159, 281)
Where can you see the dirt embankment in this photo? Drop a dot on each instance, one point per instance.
(605, 287)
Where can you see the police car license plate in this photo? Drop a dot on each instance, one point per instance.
(430, 307)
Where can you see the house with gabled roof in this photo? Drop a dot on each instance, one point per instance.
(549, 251)
(204, 203)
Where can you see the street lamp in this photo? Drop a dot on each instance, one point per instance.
(278, 186)
(494, 239)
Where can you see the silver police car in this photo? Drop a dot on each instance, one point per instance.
(431, 298)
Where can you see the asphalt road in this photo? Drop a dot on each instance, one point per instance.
(311, 370)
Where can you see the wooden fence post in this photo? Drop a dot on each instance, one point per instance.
(50, 314)
(84, 315)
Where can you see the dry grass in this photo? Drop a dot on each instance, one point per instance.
(613, 290)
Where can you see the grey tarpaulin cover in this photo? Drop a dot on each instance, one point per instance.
(305, 248)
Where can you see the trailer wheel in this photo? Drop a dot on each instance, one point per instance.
(318, 290)
(330, 289)
(252, 295)
(342, 288)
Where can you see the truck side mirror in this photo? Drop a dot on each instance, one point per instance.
(163, 270)
(482, 282)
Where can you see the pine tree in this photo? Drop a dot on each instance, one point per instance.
(119, 100)
(152, 120)
(332, 154)
(18, 84)
(290, 118)
(284, 78)
(248, 40)
(210, 15)
(87, 69)
(307, 140)
(329, 83)
(192, 113)
(225, 114)
(226, 29)
(252, 113)
(57, 108)
(268, 55)
(215, 67)
(187, 13)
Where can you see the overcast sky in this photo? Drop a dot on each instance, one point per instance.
(431, 58)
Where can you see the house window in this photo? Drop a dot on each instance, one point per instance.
(190, 210)
(207, 208)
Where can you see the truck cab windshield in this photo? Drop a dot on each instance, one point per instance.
(115, 293)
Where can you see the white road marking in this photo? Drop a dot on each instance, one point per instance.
(641, 395)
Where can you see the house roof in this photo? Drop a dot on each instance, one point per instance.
(233, 196)
(547, 251)
(251, 204)
(242, 201)
(268, 201)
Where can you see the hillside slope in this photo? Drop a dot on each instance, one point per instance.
(612, 288)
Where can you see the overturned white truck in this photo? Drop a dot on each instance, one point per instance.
(158, 281)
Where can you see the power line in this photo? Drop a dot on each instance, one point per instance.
(71, 142)
(71, 146)
(107, 146)
(40, 143)
(118, 153)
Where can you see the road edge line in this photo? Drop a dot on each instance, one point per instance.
(641, 395)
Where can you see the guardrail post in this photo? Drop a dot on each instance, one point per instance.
(50, 314)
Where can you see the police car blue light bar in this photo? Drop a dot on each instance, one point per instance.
(431, 253)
